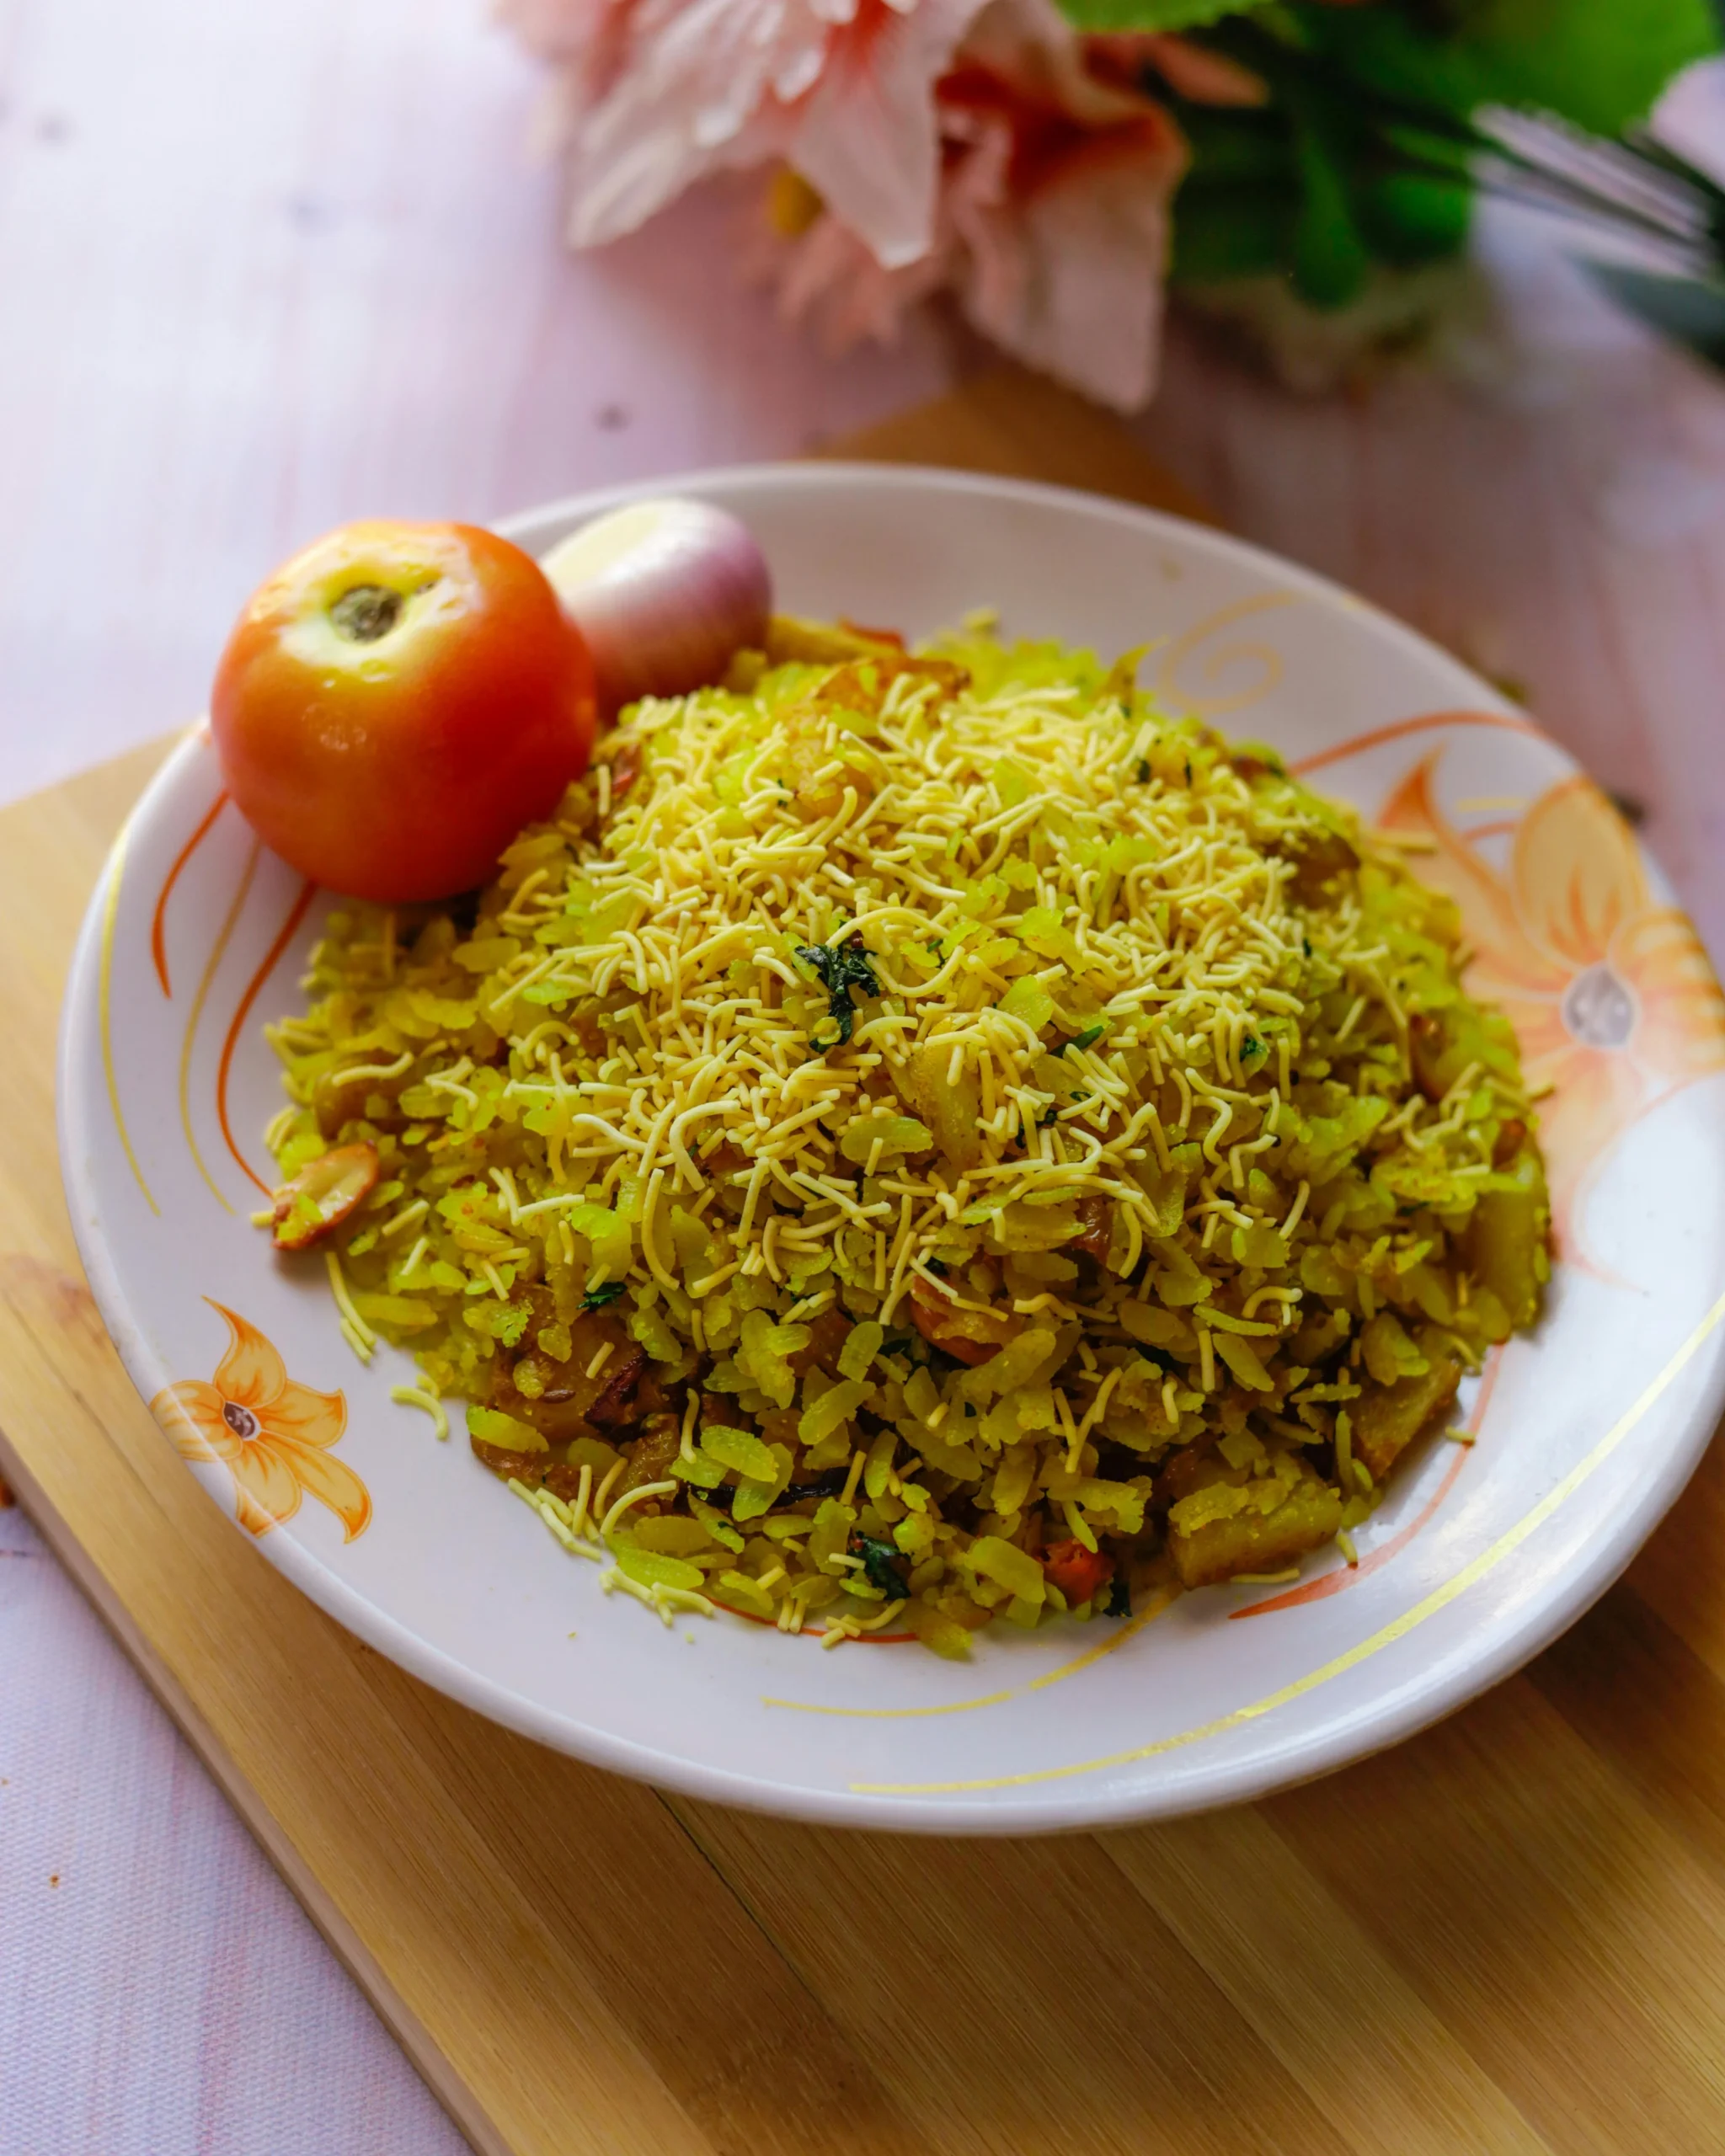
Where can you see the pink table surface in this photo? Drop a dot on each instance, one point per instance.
(264, 267)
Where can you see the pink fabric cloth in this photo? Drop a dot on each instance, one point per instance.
(160, 1989)
(267, 267)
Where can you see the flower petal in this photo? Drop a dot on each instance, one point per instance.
(829, 278)
(1041, 68)
(866, 138)
(1546, 1042)
(561, 29)
(266, 1490)
(693, 92)
(251, 1373)
(1681, 1032)
(305, 1416)
(331, 1481)
(1600, 1094)
(190, 1412)
(1070, 278)
(1508, 965)
(1191, 71)
(1576, 872)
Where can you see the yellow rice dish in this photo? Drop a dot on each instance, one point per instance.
(921, 1142)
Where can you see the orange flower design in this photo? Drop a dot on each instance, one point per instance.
(271, 1434)
(1611, 995)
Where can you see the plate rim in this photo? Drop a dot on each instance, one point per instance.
(1422, 1698)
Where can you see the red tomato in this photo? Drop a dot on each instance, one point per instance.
(1079, 1573)
(396, 702)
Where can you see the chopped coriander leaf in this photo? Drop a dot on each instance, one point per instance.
(1050, 1114)
(608, 1291)
(1088, 1038)
(1143, 769)
(840, 967)
(826, 1485)
(1119, 1601)
(881, 1566)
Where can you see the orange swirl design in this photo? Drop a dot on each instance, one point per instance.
(218, 952)
(1346, 1575)
(271, 958)
(159, 919)
(1400, 728)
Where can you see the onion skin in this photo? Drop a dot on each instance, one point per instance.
(664, 593)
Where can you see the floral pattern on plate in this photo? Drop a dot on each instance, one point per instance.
(272, 1434)
(1610, 993)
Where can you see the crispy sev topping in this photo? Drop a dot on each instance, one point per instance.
(972, 1094)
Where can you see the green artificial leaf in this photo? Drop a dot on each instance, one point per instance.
(1689, 310)
(1234, 213)
(1233, 148)
(1441, 147)
(1599, 63)
(1221, 232)
(1365, 152)
(1411, 217)
(1339, 178)
(1151, 14)
(1331, 261)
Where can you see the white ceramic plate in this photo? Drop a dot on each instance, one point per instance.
(1587, 1431)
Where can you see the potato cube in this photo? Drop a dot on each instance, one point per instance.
(1506, 1245)
(1387, 1418)
(1253, 1541)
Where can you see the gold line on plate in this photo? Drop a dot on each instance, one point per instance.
(111, 915)
(1439, 1599)
(197, 1011)
(888, 1714)
(1158, 1603)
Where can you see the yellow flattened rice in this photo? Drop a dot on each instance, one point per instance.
(919, 1141)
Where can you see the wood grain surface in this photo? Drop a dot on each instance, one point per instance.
(1508, 1935)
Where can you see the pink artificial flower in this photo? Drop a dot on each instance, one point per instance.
(981, 145)
(1052, 218)
(658, 94)
(1194, 73)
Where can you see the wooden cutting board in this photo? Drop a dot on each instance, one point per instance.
(1509, 1934)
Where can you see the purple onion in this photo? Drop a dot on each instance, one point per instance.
(665, 593)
